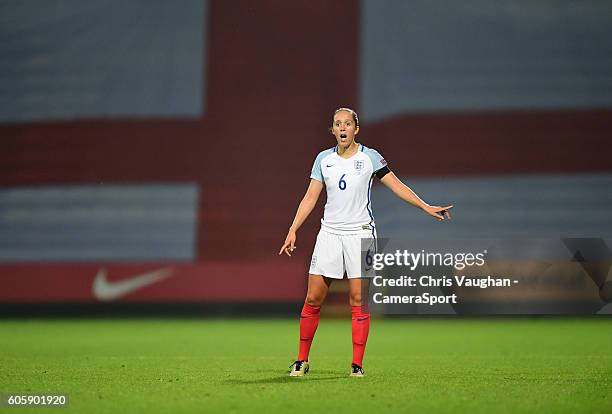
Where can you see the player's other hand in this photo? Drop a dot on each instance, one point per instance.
(438, 212)
(289, 245)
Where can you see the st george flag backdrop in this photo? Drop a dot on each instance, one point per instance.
(156, 152)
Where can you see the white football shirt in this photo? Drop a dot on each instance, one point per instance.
(348, 183)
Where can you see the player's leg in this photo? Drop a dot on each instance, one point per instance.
(326, 260)
(357, 251)
(360, 322)
(318, 286)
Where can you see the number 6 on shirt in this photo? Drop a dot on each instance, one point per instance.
(342, 183)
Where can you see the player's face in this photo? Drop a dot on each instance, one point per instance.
(344, 129)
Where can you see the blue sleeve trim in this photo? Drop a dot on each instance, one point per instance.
(378, 161)
(317, 172)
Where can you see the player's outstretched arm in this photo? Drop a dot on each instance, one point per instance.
(306, 206)
(405, 193)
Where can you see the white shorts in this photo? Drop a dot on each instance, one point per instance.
(335, 254)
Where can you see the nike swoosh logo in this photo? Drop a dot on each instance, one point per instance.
(330, 165)
(104, 290)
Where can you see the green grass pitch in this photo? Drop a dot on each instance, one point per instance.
(427, 365)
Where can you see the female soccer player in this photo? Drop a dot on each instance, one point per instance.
(347, 170)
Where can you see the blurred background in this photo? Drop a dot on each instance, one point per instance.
(154, 153)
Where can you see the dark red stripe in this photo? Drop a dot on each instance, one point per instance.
(495, 143)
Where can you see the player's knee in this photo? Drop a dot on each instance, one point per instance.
(314, 299)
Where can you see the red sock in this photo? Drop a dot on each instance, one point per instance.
(309, 320)
(361, 327)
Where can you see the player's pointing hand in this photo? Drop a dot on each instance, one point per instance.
(438, 212)
(289, 244)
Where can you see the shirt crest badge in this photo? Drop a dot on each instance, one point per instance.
(359, 165)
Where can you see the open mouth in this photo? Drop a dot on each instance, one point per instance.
(343, 136)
